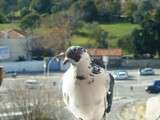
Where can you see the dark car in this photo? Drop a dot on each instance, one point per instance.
(155, 88)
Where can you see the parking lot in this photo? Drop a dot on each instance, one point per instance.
(134, 86)
(124, 90)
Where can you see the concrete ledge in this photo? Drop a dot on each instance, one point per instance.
(153, 108)
(133, 111)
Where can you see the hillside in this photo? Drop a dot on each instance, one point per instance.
(118, 30)
(115, 32)
(9, 26)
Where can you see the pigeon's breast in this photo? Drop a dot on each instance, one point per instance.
(87, 98)
(89, 91)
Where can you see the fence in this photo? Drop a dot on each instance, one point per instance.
(155, 63)
(25, 66)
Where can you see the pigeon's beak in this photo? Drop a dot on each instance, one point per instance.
(66, 60)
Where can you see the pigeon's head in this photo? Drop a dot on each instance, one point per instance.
(73, 54)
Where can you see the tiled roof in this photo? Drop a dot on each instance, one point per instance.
(2, 34)
(13, 34)
(105, 52)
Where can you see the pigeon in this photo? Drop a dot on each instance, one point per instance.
(87, 88)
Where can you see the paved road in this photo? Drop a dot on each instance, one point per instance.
(122, 91)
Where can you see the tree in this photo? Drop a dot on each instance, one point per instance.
(126, 43)
(30, 21)
(99, 35)
(144, 11)
(57, 39)
(114, 8)
(147, 40)
(156, 29)
(42, 6)
(2, 2)
(2, 18)
(108, 10)
(103, 14)
(25, 11)
(128, 9)
(85, 10)
(36, 50)
(8, 6)
(144, 42)
(23, 4)
(102, 39)
(62, 5)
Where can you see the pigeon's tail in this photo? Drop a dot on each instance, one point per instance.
(109, 96)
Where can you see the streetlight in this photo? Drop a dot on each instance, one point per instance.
(52, 59)
(105, 60)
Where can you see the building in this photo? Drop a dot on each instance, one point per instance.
(98, 52)
(13, 45)
(110, 57)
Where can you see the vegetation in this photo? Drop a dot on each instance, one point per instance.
(42, 104)
(9, 26)
(30, 21)
(117, 31)
(90, 23)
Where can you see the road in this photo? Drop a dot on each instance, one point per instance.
(125, 91)
(135, 86)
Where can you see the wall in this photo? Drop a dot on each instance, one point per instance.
(33, 66)
(16, 47)
(152, 108)
(64, 67)
(38, 66)
(26, 66)
(140, 63)
(114, 62)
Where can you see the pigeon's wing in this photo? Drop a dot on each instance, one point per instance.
(110, 93)
(102, 81)
(96, 69)
(109, 84)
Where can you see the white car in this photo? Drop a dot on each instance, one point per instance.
(32, 84)
(120, 75)
(146, 71)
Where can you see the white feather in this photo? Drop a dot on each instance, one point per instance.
(85, 98)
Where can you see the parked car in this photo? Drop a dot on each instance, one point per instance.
(120, 74)
(32, 84)
(154, 88)
(146, 71)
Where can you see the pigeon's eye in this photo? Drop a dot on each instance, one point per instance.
(75, 53)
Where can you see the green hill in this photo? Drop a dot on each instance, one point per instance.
(118, 30)
(9, 26)
(115, 31)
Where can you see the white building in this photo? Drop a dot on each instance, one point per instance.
(13, 45)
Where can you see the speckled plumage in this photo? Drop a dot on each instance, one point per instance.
(85, 89)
